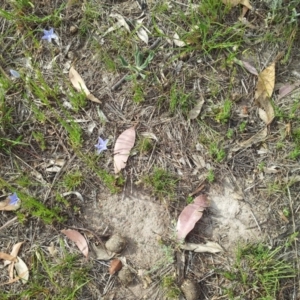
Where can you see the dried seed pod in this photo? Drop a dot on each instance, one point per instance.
(115, 266)
(190, 289)
(125, 276)
(116, 243)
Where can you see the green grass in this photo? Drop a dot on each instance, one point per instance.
(60, 277)
(162, 183)
(171, 290)
(257, 273)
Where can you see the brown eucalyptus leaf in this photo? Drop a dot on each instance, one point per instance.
(123, 146)
(115, 266)
(78, 239)
(7, 257)
(190, 215)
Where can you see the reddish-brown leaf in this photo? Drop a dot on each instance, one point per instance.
(115, 266)
(122, 149)
(78, 239)
(190, 215)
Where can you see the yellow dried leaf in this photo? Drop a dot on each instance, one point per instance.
(266, 82)
(236, 2)
(264, 90)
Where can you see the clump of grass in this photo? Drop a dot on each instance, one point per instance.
(162, 183)
(218, 154)
(224, 113)
(61, 278)
(171, 290)
(144, 145)
(72, 180)
(257, 273)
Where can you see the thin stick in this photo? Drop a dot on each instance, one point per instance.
(9, 223)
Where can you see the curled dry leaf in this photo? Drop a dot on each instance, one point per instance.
(143, 35)
(78, 239)
(80, 86)
(210, 247)
(102, 253)
(264, 90)
(236, 2)
(190, 215)
(120, 20)
(115, 266)
(22, 270)
(122, 149)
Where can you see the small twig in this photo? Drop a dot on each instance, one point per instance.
(9, 223)
(119, 83)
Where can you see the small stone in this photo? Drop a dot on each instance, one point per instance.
(190, 289)
(116, 243)
(125, 276)
(73, 29)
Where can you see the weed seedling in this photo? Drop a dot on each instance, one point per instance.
(216, 153)
(144, 145)
(225, 112)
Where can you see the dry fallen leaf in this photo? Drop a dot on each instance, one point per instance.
(246, 65)
(256, 138)
(264, 90)
(143, 35)
(287, 89)
(236, 2)
(210, 247)
(79, 240)
(123, 146)
(195, 111)
(177, 41)
(7, 257)
(102, 253)
(80, 86)
(121, 20)
(22, 270)
(115, 266)
(190, 215)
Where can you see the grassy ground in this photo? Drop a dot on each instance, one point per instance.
(48, 130)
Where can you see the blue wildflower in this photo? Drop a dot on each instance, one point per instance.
(49, 35)
(13, 199)
(14, 73)
(101, 145)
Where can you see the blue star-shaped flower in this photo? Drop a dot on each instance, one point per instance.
(101, 145)
(49, 35)
(13, 199)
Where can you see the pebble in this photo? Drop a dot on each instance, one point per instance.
(116, 243)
